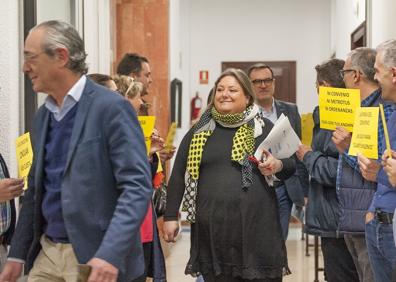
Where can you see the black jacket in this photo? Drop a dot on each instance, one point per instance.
(322, 211)
(10, 231)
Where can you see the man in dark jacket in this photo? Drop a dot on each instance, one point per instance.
(9, 189)
(322, 211)
(295, 188)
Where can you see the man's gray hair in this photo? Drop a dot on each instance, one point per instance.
(63, 35)
(389, 52)
(363, 59)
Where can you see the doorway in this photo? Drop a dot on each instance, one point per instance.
(284, 74)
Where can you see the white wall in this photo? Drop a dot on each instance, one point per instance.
(95, 30)
(93, 26)
(10, 81)
(382, 17)
(52, 10)
(347, 16)
(179, 56)
(236, 30)
(97, 35)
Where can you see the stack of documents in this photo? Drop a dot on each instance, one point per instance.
(282, 141)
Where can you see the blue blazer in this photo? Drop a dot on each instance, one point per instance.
(106, 185)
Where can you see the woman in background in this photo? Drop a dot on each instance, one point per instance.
(104, 80)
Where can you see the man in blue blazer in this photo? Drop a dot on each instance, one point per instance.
(90, 182)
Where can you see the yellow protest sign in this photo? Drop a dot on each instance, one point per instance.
(147, 123)
(386, 135)
(170, 137)
(365, 133)
(337, 107)
(307, 125)
(24, 154)
(160, 168)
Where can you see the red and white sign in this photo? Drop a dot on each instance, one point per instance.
(203, 77)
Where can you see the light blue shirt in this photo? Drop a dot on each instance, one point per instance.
(72, 97)
(271, 114)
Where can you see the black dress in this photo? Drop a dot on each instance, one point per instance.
(237, 231)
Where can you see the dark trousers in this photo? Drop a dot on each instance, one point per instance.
(285, 205)
(338, 262)
(357, 248)
(381, 250)
(147, 247)
(224, 278)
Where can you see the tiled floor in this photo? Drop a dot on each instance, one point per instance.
(302, 267)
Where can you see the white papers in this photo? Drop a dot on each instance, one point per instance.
(282, 141)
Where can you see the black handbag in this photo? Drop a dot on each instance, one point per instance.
(159, 199)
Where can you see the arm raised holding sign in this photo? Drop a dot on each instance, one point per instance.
(368, 167)
(341, 139)
(389, 165)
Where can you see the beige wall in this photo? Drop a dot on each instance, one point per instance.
(143, 27)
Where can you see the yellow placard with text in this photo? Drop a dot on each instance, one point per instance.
(147, 123)
(170, 137)
(365, 133)
(307, 125)
(337, 107)
(24, 154)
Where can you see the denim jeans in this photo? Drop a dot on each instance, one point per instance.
(381, 249)
(285, 206)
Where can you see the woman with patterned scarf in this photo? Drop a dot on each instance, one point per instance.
(235, 229)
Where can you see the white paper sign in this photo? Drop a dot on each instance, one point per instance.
(282, 140)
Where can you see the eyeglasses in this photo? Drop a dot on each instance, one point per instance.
(28, 57)
(342, 72)
(259, 82)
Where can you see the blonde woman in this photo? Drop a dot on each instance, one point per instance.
(130, 89)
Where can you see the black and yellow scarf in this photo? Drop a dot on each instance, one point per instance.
(249, 126)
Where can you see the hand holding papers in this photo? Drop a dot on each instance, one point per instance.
(282, 141)
(269, 164)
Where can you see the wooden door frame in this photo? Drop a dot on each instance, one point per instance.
(289, 65)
